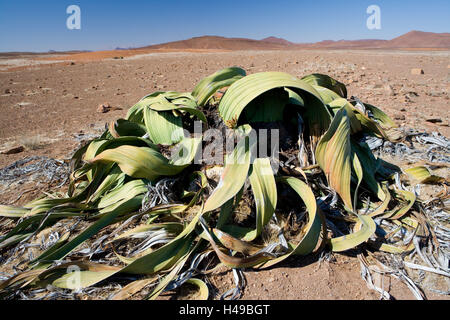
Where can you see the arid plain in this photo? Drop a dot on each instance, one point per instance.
(49, 103)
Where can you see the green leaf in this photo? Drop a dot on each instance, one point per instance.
(12, 212)
(369, 168)
(163, 127)
(110, 213)
(398, 212)
(352, 240)
(234, 174)
(123, 128)
(208, 86)
(421, 174)
(382, 117)
(245, 90)
(202, 288)
(357, 168)
(327, 82)
(311, 231)
(142, 162)
(265, 193)
(333, 154)
(326, 94)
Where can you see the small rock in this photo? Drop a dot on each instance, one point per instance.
(13, 150)
(409, 90)
(7, 91)
(400, 117)
(417, 71)
(30, 93)
(435, 93)
(214, 173)
(434, 120)
(25, 104)
(103, 108)
(106, 107)
(389, 90)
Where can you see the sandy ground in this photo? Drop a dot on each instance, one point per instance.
(48, 105)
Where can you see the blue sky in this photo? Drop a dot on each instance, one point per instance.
(107, 24)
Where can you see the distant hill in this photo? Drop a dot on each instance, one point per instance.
(420, 39)
(413, 39)
(220, 43)
(279, 41)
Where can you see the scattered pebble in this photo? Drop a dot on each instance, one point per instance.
(434, 120)
(25, 104)
(389, 90)
(14, 150)
(103, 108)
(106, 107)
(417, 71)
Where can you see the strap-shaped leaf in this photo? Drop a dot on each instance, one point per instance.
(352, 240)
(357, 169)
(333, 153)
(123, 128)
(235, 244)
(401, 210)
(369, 167)
(163, 127)
(234, 174)
(385, 121)
(245, 90)
(12, 212)
(203, 291)
(206, 88)
(265, 193)
(126, 205)
(185, 103)
(311, 231)
(136, 112)
(326, 94)
(143, 162)
(421, 174)
(231, 261)
(328, 82)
